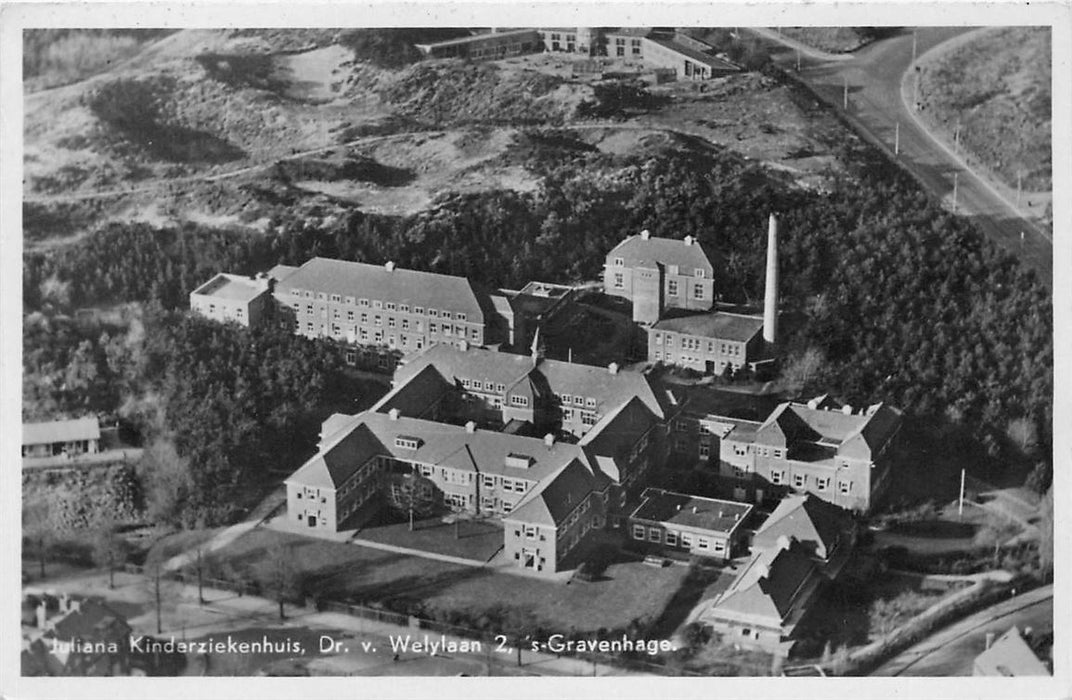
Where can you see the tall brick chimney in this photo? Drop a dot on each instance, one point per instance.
(770, 296)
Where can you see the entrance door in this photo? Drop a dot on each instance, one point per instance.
(311, 520)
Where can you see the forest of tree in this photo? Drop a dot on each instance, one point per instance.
(902, 301)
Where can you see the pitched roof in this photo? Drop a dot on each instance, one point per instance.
(808, 519)
(693, 54)
(438, 444)
(366, 281)
(60, 431)
(717, 324)
(1010, 655)
(876, 425)
(638, 251)
(687, 510)
(350, 449)
(552, 504)
(768, 589)
(93, 620)
(475, 363)
(413, 397)
(608, 389)
(232, 288)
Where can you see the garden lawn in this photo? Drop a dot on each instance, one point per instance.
(476, 541)
(338, 571)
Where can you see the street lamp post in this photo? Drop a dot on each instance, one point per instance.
(955, 177)
(897, 139)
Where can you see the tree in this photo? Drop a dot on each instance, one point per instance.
(412, 495)
(278, 577)
(996, 533)
(110, 549)
(839, 666)
(1045, 543)
(801, 370)
(160, 587)
(1023, 434)
(38, 530)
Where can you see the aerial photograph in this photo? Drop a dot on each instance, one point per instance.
(614, 351)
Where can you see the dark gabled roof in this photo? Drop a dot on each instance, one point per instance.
(413, 397)
(366, 281)
(609, 389)
(807, 519)
(717, 325)
(687, 510)
(876, 425)
(1010, 655)
(637, 251)
(767, 588)
(336, 462)
(552, 504)
(60, 431)
(93, 621)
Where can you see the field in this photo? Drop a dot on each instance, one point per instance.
(627, 592)
(996, 85)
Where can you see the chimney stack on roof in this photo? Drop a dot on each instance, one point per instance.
(770, 296)
(689, 240)
(470, 427)
(846, 409)
(389, 266)
(613, 368)
(393, 414)
(42, 614)
(645, 234)
(695, 510)
(813, 404)
(782, 543)
(549, 440)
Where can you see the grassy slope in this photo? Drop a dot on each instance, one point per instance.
(998, 86)
(832, 39)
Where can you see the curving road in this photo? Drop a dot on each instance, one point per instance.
(874, 77)
(951, 651)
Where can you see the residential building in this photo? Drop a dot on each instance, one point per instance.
(679, 522)
(383, 312)
(708, 343)
(69, 438)
(242, 300)
(656, 274)
(85, 637)
(764, 606)
(1011, 655)
(826, 531)
(486, 45)
(538, 483)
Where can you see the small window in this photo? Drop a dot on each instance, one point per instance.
(671, 539)
(655, 534)
(638, 532)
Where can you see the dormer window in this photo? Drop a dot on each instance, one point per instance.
(406, 442)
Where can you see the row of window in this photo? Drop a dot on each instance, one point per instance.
(378, 304)
(698, 273)
(693, 343)
(801, 481)
(479, 385)
(677, 539)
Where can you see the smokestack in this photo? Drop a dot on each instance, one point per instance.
(770, 297)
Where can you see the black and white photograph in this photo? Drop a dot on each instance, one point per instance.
(401, 342)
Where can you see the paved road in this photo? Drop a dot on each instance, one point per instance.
(876, 105)
(951, 651)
